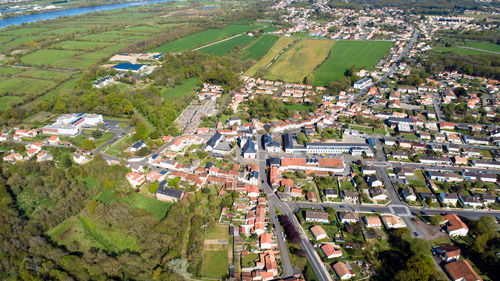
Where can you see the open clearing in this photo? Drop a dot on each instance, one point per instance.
(152, 206)
(81, 45)
(47, 57)
(202, 38)
(278, 46)
(345, 54)
(5, 100)
(299, 60)
(21, 86)
(45, 74)
(226, 46)
(258, 48)
(457, 50)
(185, 88)
(83, 232)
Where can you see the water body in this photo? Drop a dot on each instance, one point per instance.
(72, 12)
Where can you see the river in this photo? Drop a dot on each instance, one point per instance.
(72, 12)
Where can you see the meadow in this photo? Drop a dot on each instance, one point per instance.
(483, 46)
(185, 88)
(299, 60)
(345, 54)
(201, 38)
(258, 48)
(226, 46)
(462, 51)
(277, 47)
(215, 255)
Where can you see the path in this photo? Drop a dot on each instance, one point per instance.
(217, 42)
(480, 50)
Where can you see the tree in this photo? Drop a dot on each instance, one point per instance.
(141, 131)
(417, 268)
(301, 138)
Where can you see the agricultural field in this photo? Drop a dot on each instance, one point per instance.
(226, 46)
(483, 46)
(47, 57)
(45, 74)
(299, 60)
(81, 45)
(6, 100)
(7, 71)
(82, 232)
(21, 86)
(185, 88)
(277, 47)
(258, 48)
(345, 54)
(201, 38)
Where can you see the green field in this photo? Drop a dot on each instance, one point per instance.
(299, 60)
(7, 71)
(82, 232)
(226, 46)
(45, 74)
(457, 50)
(152, 206)
(279, 45)
(258, 48)
(47, 57)
(5, 100)
(201, 38)
(21, 86)
(81, 45)
(215, 256)
(483, 46)
(185, 88)
(345, 54)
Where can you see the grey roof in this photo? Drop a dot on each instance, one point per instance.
(171, 192)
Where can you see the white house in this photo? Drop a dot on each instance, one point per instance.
(135, 179)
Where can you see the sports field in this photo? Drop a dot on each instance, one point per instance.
(345, 54)
(299, 60)
(226, 46)
(202, 38)
(258, 48)
(277, 47)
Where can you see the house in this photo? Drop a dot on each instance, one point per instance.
(408, 194)
(455, 226)
(44, 156)
(350, 196)
(374, 181)
(372, 221)
(349, 218)
(80, 158)
(330, 251)
(249, 150)
(318, 232)
(331, 193)
(317, 216)
(368, 170)
(470, 201)
(392, 221)
(266, 241)
(213, 142)
(343, 271)
(234, 121)
(488, 198)
(447, 253)
(165, 193)
(378, 193)
(311, 197)
(448, 198)
(428, 197)
(135, 179)
(461, 270)
(53, 140)
(13, 158)
(137, 146)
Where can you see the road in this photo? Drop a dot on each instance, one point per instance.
(114, 127)
(437, 108)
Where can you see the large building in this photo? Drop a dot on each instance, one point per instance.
(70, 124)
(356, 149)
(363, 83)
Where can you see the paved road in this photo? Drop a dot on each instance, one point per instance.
(114, 128)
(437, 108)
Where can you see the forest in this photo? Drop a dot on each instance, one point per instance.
(36, 198)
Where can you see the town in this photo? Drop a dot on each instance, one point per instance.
(305, 179)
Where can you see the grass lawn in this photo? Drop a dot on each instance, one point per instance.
(6, 100)
(300, 60)
(118, 147)
(152, 206)
(258, 48)
(483, 46)
(224, 47)
(444, 240)
(215, 263)
(299, 106)
(7, 71)
(277, 47)
(64, 87)
(457, 50)
(83, 232)
(201, 38)
(45, 74)
(345, 54)
(47, 57)
(249, 260)
(185, 88)
(219, 232)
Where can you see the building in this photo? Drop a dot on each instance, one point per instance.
(168, 194)
(331, 193)
(70, 124)
(330, 251)
(317, 216)
(318, 232)
(80, 158)
(343, 271)
(135, 179)
(363, 83)
(455, 226)
(447, 253)
(378, 193)
(137, 146)
(266, 241)
(408, 194)
(349, 218)
(249, 150)
(126, 66)
(461, 270)
(392, 221)
(13, 158)
(372, 221)
(448, 198)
